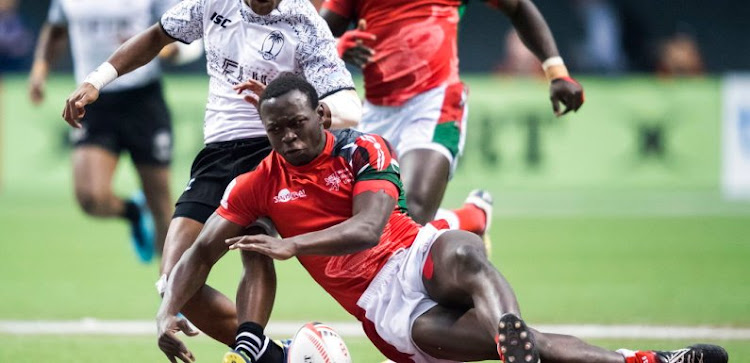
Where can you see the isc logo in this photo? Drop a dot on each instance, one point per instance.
(220, 19)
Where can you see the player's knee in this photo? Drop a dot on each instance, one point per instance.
(88, 201)
(468, 258)
(419, 209)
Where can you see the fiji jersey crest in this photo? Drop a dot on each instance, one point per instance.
(272, 45)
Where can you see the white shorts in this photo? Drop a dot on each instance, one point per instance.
(397, 296)
(435, 120)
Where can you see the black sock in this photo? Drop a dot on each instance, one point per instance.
(251, 341)
(132, 212)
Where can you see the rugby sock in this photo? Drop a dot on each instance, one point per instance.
(471, 218)
(638, 356)
(132, 212)
(251, 341)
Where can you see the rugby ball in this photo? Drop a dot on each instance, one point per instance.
(317, 343)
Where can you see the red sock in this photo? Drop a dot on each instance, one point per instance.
(471, 218)
(641, 356)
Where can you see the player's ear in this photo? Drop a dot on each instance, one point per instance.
(324, 112)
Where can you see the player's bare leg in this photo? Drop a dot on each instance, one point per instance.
(473, 297)
(155, 183)
(209, 310)
(451, 333)
(93, 168)
(255, 296)
(424, 173)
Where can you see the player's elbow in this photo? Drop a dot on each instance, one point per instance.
(369, 235)
(346, 109)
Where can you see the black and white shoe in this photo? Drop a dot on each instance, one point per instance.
(515, 342)
(699, 353)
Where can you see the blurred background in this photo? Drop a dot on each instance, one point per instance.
(634, 211)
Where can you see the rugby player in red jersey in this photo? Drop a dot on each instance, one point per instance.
(408, 53)
(422, 293)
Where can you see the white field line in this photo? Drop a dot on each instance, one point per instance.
(351, 329)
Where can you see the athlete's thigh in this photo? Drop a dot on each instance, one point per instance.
(93, 169)
(181, 234)
(453, 334)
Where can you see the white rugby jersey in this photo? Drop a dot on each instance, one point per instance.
(241, 45)
(97, 28)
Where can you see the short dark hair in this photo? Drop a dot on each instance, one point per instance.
(287, 82)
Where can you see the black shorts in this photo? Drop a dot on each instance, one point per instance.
(213, 169)
(135, 120)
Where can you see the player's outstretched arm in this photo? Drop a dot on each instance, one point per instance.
(133, 54)
(187, 277)
(52, 40)
(536, 35)
(371, 210)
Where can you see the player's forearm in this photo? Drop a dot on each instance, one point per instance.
(353, 235)
(139, 50)
(188, 276)
(532, 29)
(51, 41)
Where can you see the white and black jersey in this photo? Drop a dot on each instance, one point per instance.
(97, 28)
(241, 45)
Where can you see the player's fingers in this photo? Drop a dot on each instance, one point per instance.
(170, 357)
(70, 115)
(185, 357)
(186, 328)
(362, 25)
(252, 100)
(555, 105)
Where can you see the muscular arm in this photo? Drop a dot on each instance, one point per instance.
(52, 40)
(531, 26)
(361, 231)
(140, 49)
(192, 270)
(371, 211)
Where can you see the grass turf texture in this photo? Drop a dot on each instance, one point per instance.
(592, 234)
(90, 349)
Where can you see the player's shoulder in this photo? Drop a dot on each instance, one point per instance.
(362, 148)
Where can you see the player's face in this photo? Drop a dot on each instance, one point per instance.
(262, 7)
(294, 129)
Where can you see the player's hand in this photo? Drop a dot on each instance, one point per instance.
(266, 245)
(36, 90)
(37, 79)
(75, 104)
(253, 86)
(567, 91)
(351, 47)
(174, 348)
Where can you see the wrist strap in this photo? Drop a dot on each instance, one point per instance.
(554, 67)
(101, 76)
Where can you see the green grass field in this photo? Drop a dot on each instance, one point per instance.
(639, 242)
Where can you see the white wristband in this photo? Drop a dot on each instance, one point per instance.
(102, 75)
(552, 61)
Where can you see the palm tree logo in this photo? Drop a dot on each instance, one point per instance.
(272, 45)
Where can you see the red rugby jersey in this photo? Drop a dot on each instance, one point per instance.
(312, 197)
(416, 49)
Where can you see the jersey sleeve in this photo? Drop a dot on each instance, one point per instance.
(56, 14)
(318, 60)
(344, 8)
(240, 203)
(373, 159)
(184, 21)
